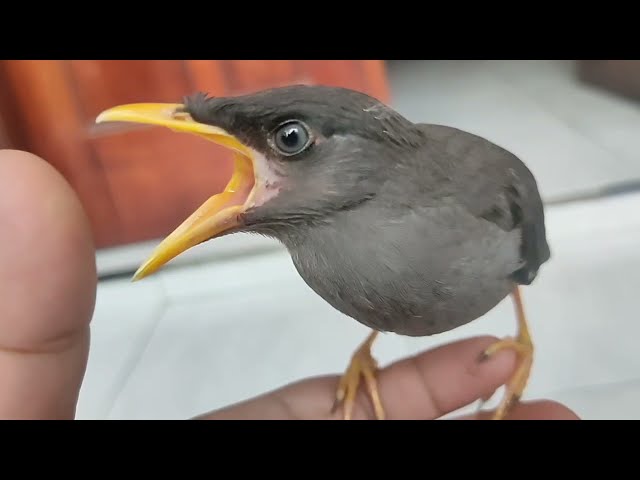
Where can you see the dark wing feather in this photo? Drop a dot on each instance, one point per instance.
(517, 205)
(495, 185)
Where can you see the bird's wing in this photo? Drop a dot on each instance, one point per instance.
(496, 186)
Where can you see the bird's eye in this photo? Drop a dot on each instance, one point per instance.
(291, 138)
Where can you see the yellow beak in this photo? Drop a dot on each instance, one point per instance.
(218, 214)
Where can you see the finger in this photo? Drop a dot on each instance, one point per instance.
(47, 290)
(534, 410)
(442, 380)
(426, 386)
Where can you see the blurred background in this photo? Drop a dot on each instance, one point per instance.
(232, 319)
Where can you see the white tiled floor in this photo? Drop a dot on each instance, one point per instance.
(193, 338)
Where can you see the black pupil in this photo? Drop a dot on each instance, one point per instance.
(291, 137)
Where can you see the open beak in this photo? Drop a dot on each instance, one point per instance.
(220, 213)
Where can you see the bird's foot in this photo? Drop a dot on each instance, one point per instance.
(515, 388)
(362, 365)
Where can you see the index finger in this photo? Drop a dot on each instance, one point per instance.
(426, 386)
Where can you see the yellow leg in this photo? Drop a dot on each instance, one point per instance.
(523, 346)
(362, 365)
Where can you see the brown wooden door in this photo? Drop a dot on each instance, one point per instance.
(137, 182)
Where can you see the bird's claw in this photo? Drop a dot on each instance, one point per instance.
(362, 365)
(515, 388)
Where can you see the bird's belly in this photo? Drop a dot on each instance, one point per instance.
(413, 296)
(410, 306)
(438, 315)
(429, 315)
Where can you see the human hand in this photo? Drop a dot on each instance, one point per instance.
(425, 387)
(47, 295)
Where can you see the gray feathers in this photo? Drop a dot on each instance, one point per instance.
(414, 229)
(495, 185)
(451, 226)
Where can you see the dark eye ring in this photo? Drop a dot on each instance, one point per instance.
(291, 138)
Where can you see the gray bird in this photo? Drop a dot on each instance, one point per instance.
(408, 228)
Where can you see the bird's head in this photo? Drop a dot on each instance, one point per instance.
(301, 153)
